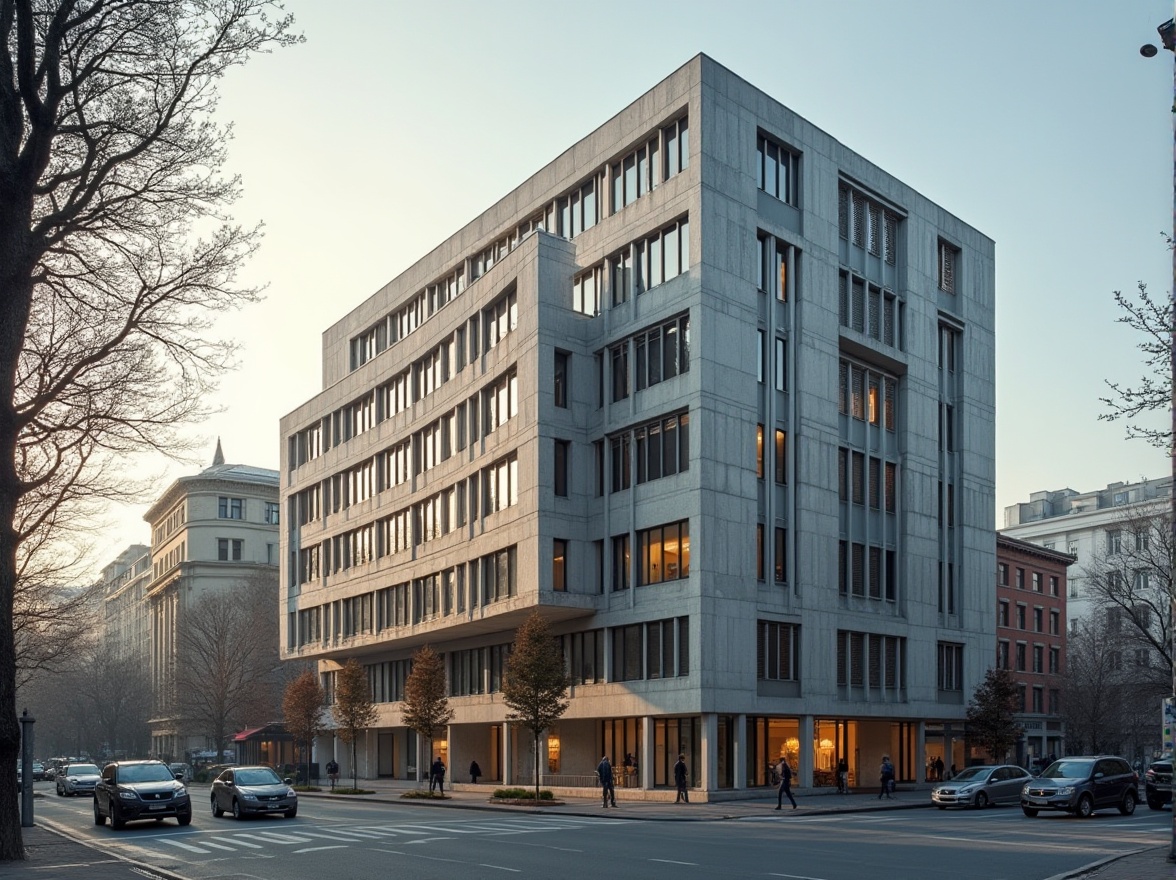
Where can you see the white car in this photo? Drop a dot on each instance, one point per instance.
(75, 779)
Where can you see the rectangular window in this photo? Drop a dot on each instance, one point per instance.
(781, 365)
(620, 562)
(1003, 614)
(759, 551)
(663, 553)
(562, 362)
(559, 567)
(272, 509)
(229, 549)
(777, 170)
(777, 651)
(781, 557)
(951, 667)
(781, 457)
(230, 508)
(1002, 655)
(759, 452)
(1021, 657)
(676, 137)
(562, 456)
(948, 265)
(620, 372)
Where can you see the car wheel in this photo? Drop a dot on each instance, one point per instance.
(216, 808)
(184, 819)
(1128, 805)
(116, 821)
(99, 819)
(1155, 804)
(238, 813)
(1085, 807)
(292, 812)
(60, 793)
(981, 801)
(1030, 812)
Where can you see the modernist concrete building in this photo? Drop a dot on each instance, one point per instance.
(1091, 527)
(713, 393)
(125, 626)
(1031, 639)
(211, 532)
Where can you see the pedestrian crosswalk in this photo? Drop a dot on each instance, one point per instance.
(191, 843)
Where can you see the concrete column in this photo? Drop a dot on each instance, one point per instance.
(645, 767)
(710, 751)
(739, 753)
(507, 764)
(805, 770)
(921, 751)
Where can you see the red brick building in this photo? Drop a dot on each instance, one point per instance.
(1031, 638)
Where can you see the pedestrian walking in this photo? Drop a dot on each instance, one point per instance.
(475, 772)
(785, 774)
(939, 769)
(332, 772)
(437, 775)
(843, 776)
(608, 791)
(887, 778)
(680, 775)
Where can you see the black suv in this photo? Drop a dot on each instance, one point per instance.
(130, 790)
(1157, 782)
(1081, 785)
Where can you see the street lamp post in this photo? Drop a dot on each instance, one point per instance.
(1167, 33)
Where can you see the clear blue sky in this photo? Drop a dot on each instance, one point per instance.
(1038, 123)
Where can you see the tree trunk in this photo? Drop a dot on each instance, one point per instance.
(536, 767)
(354, 762)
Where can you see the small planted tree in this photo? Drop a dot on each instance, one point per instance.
(354, 709)
(991, 713)
(535, 684)
(302, 707)
(426, 703)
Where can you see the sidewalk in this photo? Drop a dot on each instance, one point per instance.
(52, 855)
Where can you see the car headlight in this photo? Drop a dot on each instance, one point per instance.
(181, 795)
(1067, 790)
(1025, 788)
(246, 796)
(128, 795)
(291, 793)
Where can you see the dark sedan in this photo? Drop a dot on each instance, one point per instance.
(1082, 785)
(245, 791)
(980, 786)
(132, 790)
(1157, 783)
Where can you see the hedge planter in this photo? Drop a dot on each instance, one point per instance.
(524, 797)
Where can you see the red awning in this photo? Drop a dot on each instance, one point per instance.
(245, 734)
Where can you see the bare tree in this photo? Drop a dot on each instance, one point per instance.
(302, 706)
(535, 683)
(110, 163)
(1130, 583)
(354, 709)
(1092, 690)
(227, 659)
(426, 703)
(117, 691)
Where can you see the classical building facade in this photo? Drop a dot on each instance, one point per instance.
(714, 394)
(1095, 527)
(124, 603)
(1031, 639)
(215, 531)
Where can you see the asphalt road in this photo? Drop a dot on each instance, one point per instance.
(345, 840)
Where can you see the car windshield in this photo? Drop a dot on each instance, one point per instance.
(145, 773)
(82, 770)
(257, 776)
(1068, 769)
(971, 774)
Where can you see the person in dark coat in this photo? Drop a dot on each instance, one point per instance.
(437, 775)
(608, 790)
(785, 773)
(332, 772)
(475, 772)
(680, 774)
(939, 769)
(886, 774)
(843, 776)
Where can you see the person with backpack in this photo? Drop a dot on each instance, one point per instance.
(680, 775)
(785, 774)
(604, 771)
(437, 776)
(887, 778)
(332, 772)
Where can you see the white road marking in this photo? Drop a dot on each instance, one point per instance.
(275, 837)
(673, 862)
(217, 845)
(236, 842)
(317, 848)
(796, 876)
(428, 840)
(500, 868)
(187, 846)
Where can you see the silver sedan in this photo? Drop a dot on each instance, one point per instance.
(981, 786)
(253, 790)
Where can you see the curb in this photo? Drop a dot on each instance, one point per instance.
(1101, 863)
(149, 871)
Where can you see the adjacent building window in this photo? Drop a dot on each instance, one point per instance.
(662, 352)
(620, 371)
(1114, 542)
(578, 210)
(676, 137)
(870, 309)
(777, 651)
(586, 291)
(867, 224)
(662, 447)
(657, 649)
(1020, 657)
(272, 512)
(620, 562)
(1002, 655)
(229, 549)
(781, 555)
(584, 656)
(772, 275)
(871, 661)
(1003, 613)
(500, 484)
(663, 553)
(777, 170)
(230, 508)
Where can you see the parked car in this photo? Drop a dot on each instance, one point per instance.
(981, 786)
(1081, 785)
(75, 779)
(132, 790)
(246, 790)
(1157, 782)
(38, 771)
